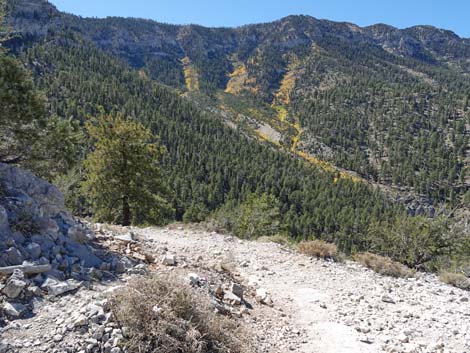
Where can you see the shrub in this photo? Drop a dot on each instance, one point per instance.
(257, 216)
(75, 199)
(162, 315)
(318, 248)
(466, 199)
(211, 225)
(458, 280)
(417, 242)
(383, 265)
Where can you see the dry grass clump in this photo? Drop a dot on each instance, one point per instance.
(458, 280)
(383, 265)
(164, 316)
(318, 248)
(278, 239)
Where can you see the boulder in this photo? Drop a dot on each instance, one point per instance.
(34, 290)
(18, 237)
(47, 226)
(84, 253)
(261, 294)
(80, 321)
(47, 239)
(262, 297)
(34, 250)
(15, 285)
(14, 309)
(388, 299)
(231, 298)
(78, 234)
(237, 289)
(219, 291)
(13, 256)
(46, 243)
(55, 287)
(57, 338)
(45, 199)
(402, 338)
(118, 266)
(126, 238)
(4, 347)
(193, 279)
(53, 230)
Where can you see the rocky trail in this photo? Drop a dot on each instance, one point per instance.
(291, 303)
(321, 306)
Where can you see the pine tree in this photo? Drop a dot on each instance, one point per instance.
(46, 145)
(22, 113)
(124, 181)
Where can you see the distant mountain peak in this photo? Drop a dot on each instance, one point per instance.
(32, 9)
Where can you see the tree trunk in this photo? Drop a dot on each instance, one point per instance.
(126, 212)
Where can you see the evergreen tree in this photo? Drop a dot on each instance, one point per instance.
(48, 146)
(22, 114)
(59, 149)
(21, 108)
(123, 179)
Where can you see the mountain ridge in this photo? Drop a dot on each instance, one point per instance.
(51, 8)
(282, 19)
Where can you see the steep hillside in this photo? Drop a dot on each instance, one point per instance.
(207, 163)
(391, 105)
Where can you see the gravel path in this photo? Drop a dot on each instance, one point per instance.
(329, 307)
(318, 306)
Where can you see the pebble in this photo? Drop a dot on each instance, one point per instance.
(58, 338)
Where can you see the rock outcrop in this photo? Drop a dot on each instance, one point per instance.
(43, 249)
(35, 227)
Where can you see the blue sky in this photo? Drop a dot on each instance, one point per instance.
(448, 14)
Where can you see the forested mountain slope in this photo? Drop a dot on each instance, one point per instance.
(132, 146)
(390, 104)
(207, 163)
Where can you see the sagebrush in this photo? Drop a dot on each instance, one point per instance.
(318, 248)
(458, 280)
(164, 316)
(383, 265)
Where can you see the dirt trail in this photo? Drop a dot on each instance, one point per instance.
(334, 307)
(318, 306)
